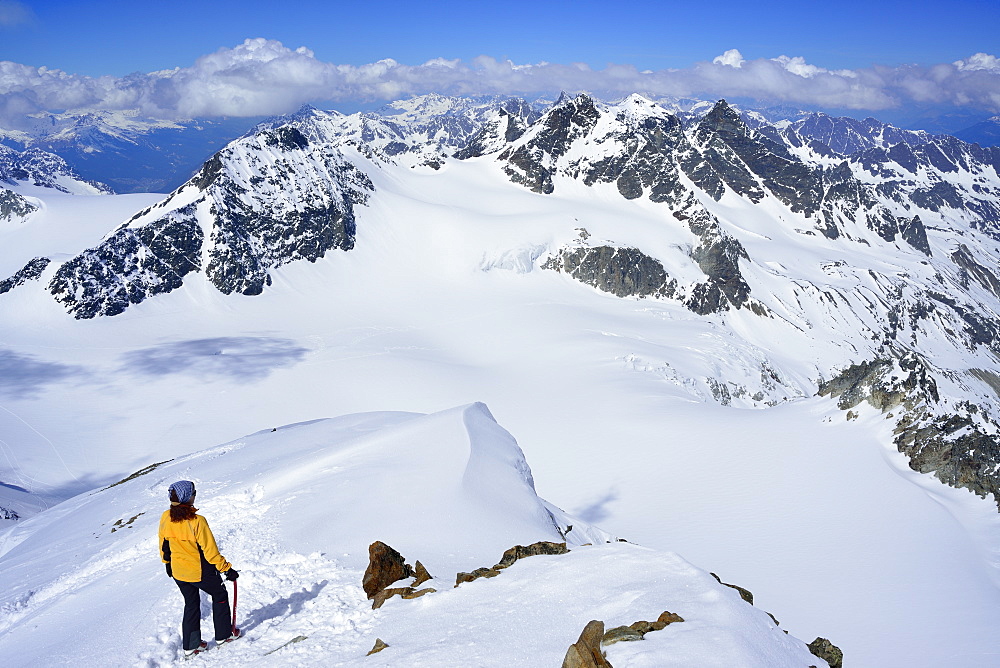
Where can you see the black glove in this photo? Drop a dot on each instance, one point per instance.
(170, 572)
(231, 574)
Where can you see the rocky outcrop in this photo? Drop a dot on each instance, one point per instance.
(377, 647)
(14, 207)
(745, 594)
(958, 445)
(533, 163)
(386, 566)
(955, 447)
(47, 170)
(824, 649)
(586, 652)
(511, 556)
(883, 383)
(748, 163)
(624, 272)
(638, 630)
(971, 269)
(130, 266)
(29, 272)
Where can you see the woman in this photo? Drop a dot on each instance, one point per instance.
(188, 549)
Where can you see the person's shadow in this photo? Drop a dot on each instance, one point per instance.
(283, 607)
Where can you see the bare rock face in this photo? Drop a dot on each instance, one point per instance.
(385, 566)
(586, 652)
(624, 272)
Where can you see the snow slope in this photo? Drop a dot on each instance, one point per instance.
(294, 509)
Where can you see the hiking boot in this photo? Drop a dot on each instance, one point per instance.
(197, 650)
(236, 634)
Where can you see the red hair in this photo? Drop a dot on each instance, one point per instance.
(181, 511)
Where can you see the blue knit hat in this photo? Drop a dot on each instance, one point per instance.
(184, 489)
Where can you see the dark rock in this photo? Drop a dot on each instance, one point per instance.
(914, 233)
(624, 272)
(29, 272)
(745, 594)
(874, 383)
(963, 258)
(532, 164)
(209, 173)
(719, 259)
(417, 593)
(257, 223)
(403, 592)
(665, 619)
(954, 448)
(385, 566)
(586, 651)
(287, 137)
(822, 648)
(13, 206)
(509, 557)
(130, 266)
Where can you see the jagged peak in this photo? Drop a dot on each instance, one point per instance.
(568, 100)
(724, 119)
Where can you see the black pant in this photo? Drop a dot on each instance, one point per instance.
(212, 585)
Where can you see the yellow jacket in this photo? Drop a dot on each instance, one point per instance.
(186, 545)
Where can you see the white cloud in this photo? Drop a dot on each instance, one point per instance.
(978, 61)
(732, 58)
(265, 77)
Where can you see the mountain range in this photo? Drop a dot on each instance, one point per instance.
(819, 264)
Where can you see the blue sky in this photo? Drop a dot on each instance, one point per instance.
(118, 37)
(850, 55)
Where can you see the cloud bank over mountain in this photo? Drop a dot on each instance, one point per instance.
(261, 76)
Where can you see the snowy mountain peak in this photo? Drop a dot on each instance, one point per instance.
(38, 168)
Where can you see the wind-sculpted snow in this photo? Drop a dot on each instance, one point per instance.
(295, 509)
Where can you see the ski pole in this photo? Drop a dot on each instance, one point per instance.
(235, 591)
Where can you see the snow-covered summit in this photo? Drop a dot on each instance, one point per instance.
(42, 169)
(294, 509)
